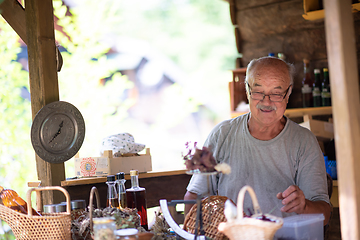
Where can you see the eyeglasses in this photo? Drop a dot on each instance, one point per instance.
(272, 97)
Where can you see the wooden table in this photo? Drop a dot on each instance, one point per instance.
(169, 185)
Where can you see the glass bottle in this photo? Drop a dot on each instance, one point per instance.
(307, 84)
(325, 89)
(112, 197)
(281, 56)
(316, 91)
(9, 198)
(120, 181)
(104, 228)
(136, 198)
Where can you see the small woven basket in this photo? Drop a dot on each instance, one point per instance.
(213, 215)
(250, 228)
(48, 226)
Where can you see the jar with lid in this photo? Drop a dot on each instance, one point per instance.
(104, 228)
(78, 208)
(55, 208)
(128, 234)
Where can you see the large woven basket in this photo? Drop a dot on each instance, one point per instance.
(213, 215)
(48, 226)
(250, 228)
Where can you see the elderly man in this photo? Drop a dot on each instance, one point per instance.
(278, 158)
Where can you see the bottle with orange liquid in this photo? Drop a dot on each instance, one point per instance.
(112, 197)
(9, 198)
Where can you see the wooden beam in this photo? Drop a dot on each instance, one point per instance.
(43, 80)
(14, 13)
(341, 49)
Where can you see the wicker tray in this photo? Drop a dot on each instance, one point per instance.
(49, 226)
(213, 214)
(250, 228)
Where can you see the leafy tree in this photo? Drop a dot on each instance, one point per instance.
(195, 35)
(17, 163)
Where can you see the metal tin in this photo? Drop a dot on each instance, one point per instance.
(61, 207)
(50, 208)
(55, 208)
(77, 204)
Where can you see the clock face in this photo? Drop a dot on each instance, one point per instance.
(57, 132)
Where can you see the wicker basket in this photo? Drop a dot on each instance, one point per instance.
(250, 228)
(213, 215)
(48, 226)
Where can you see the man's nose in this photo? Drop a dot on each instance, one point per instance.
(266, 99)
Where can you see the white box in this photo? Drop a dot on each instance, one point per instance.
(109, 165)
(302, 227)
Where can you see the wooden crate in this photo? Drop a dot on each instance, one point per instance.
(109, 165)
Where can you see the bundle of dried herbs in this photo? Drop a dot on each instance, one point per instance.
(125, 218)
(161, 229)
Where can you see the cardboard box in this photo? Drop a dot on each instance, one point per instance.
(109, 165)
(303, 226)
(321, 129)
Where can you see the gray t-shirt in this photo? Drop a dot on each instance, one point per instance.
(269, 167)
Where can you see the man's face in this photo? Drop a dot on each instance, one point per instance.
(269, 80)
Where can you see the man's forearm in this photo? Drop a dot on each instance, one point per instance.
(318, 207)
(189, 196)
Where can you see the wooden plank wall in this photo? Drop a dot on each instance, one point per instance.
(265, 26)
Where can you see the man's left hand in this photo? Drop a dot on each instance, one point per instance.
(293, 200)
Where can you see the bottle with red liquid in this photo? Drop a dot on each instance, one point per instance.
(112, 197)
(9, 198)
(136, 198)
(307, 85)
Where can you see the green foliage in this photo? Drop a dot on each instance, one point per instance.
(196, 35)
(17, 159)
(81, 80)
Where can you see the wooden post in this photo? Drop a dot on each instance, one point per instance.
(14, 13)
(340, 41)
(43, 81)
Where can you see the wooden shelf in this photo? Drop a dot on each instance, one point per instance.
(93, 180)
(297, 112)
(170, 185)
(320, 14)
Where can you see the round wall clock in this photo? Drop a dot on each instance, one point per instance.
(57, 132)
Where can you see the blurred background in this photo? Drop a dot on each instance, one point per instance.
(157, 69)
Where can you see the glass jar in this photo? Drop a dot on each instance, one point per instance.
(104, 228)
(128, 234)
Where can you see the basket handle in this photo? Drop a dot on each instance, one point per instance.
(48, 188)
(240, 202)
(91, 200)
